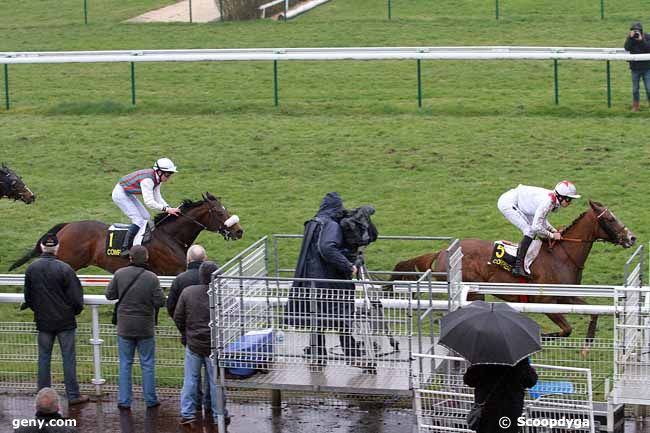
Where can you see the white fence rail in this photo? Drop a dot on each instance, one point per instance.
(353, 53)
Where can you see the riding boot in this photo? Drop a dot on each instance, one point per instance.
(636, 106)
(128, 239)
(518, 270)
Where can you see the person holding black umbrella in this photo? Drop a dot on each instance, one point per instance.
(502, 389)
(497, 340)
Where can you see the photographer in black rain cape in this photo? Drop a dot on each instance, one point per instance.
(325, 255)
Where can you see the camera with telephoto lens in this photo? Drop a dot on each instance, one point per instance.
(636, 34)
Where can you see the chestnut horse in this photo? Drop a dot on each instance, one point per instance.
(561, 263)
(12, 186)
(83, 243)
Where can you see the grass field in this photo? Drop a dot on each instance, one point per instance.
(348, 126)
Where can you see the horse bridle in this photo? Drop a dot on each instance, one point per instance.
(11, 181)
(614, 237)
(224, 230)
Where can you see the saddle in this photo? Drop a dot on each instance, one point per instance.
(504, 254)
(115, 238)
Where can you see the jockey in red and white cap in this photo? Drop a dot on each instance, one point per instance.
(527, 207)
(147, 183)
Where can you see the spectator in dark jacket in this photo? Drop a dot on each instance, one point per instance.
(192, 318)
(322, 255)
(505, 386)
(53, 292)
(637, 42)
(140, 297)
(195, 256)
(47, 419)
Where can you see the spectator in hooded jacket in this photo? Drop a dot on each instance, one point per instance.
(502, 388)
(47, 415)
(192, 318)
(140, 298)
(637, 42)
(196, 255)
(53, 292)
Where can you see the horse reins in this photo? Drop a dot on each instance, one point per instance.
(604, 227)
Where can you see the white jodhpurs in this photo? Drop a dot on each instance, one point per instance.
(133, 209)
(507, 204)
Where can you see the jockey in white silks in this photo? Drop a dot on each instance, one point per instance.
(147, 183)
(527, 207)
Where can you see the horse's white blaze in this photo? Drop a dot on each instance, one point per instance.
(231, 221)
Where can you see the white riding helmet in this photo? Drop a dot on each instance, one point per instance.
(165, 164)
(566, 189)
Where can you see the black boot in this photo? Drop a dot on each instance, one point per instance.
(128, 239)
(518, 270)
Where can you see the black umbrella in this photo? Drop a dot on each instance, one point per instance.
(485, 333)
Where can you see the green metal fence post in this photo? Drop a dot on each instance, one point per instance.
(390, 14)
(496, 8)
(221, 10)
(602, 9)
(557, 91)
(609, 87)
(7, 86)
(419, 84)
(275, 83)
(190, 11)
(85, 11)
(132, 83)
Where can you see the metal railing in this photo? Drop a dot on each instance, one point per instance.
(324, 54)
(442, 401)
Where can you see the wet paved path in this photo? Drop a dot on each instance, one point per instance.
(104, 417)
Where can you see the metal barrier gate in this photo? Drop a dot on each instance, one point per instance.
(632, 336)
(355, 341)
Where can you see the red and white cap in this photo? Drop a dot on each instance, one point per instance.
(566, 189)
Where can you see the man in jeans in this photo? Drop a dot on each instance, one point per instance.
(192, 317)
(140, 296)
(53, 292)
(638, 42)
(196, 255)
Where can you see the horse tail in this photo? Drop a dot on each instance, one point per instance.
(36, 251)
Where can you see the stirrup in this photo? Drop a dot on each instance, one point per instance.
(521, 272)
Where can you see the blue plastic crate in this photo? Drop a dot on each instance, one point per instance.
(550, 387)
(248, 355)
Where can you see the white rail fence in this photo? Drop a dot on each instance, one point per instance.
(323, 54)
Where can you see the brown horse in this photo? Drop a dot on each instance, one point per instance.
(12, 186)
(559, 264)
(83, 243)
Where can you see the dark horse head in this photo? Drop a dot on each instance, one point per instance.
(12, 186)
(209, 214)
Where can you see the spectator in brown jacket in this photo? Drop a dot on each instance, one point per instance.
(140, 296)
